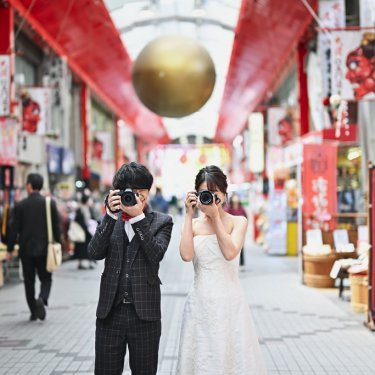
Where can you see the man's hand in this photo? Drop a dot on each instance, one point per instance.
(135, 210)
(8, 256)
(113, 201)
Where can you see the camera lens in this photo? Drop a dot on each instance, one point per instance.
(128, 198)
(206, 197)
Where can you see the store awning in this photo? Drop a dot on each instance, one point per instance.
(266, 33)
(83, 32)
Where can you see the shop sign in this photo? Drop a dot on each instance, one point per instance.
(31, 148)
(367, 13)
(101, 151)
(58, 78)
(315, 89)
(274, 116)
(107, 173)
(54, 159)
(4, 85)
(126, 143)
(67, 161)
(8, 141)
(256, 137)
(353, 65)
(276, 232)
(348, 134)
(332, 15)
(319, 186)
(36, 110)
(275, 159)
(293, 154)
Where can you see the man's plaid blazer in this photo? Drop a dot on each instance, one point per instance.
(150, 242)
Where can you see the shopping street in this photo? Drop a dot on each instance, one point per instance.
(302, 330)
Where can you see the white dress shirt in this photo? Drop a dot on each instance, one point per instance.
(128, 224)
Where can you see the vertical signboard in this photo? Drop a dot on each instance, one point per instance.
(353, 54)
(332, 15)
(371, 215)
(8, 141)
(256, 137)
(4, 85)
(319, 185)
(36, 110)
(367, 13)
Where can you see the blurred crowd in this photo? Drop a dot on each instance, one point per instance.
(79, 216)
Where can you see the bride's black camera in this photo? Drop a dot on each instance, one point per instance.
(128, 197)
(206, 197)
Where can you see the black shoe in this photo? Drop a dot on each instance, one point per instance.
(80, 267)
(40, 311)
(33, 317)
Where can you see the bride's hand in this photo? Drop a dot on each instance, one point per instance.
(210, 210)
(190, 202)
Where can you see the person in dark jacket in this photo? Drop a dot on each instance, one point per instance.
(132, 239)
(29, 228)
(84, 217)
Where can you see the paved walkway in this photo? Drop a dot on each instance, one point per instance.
(301, 330)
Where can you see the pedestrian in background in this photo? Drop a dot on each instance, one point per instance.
(85, 218)
(158, 202)
(29, 228)
(235, 208)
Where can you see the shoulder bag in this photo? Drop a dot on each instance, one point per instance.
(54, 253)
(76, 233)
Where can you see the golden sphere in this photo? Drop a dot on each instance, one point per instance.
(174, 76)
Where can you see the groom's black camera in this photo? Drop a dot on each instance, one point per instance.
(128, 197)
(206, 197)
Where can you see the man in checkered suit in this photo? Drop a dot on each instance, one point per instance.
(133, 240)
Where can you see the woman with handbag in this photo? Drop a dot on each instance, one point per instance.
(85, 219)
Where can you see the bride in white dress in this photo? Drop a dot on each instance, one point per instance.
(218, 336)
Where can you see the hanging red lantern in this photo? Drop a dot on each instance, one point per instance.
(203, 159)
(183, 158)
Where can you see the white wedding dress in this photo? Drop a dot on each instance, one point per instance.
(218, 336)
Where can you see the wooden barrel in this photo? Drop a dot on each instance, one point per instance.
(359, 293)
(316, 270)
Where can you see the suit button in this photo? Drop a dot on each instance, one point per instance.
(127, 260)
(127, 275)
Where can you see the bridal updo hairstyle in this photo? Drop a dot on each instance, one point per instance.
(214, 177)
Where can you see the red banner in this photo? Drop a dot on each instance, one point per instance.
(319, 185)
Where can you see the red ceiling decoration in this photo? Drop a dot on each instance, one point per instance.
(266, 33)
(83, 32)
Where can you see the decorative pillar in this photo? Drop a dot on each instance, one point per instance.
(303, 92)
(6, 28)
(85, 97)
